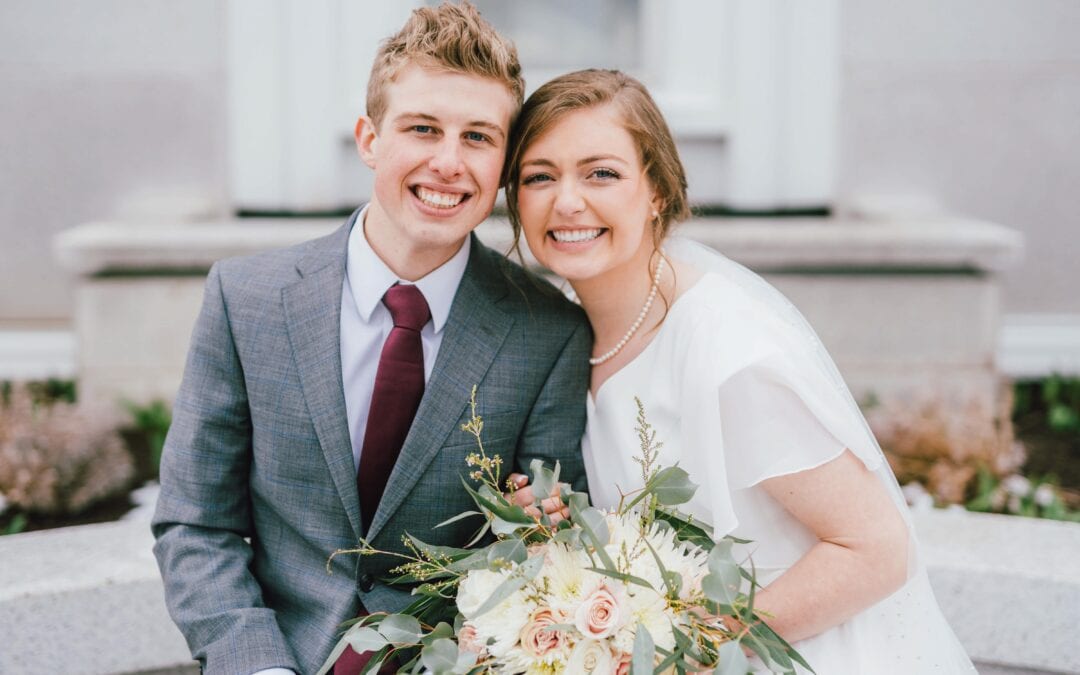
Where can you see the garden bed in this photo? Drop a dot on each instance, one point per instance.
(1046, 421)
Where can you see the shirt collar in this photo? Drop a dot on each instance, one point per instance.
(369, 277)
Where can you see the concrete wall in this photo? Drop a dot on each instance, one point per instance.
(974, 104)
(117, 108)
(109, 108)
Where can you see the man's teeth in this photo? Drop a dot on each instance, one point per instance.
(575, 235)
(439, 200)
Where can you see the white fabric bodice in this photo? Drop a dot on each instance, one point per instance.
(729, 389)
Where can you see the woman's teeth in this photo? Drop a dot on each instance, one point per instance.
(439, 200)
(575, 235)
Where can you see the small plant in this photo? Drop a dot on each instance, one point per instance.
(1058, 397)
(150, 421)
(942, 443)
(1021, 496)
(56, 459)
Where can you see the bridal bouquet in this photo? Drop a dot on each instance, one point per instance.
(640, 589)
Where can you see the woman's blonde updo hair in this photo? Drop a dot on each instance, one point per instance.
(640, 117)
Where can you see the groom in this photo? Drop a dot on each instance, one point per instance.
(326, 383)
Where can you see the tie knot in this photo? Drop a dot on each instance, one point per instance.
(407, 306)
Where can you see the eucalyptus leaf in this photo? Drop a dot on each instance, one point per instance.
(569, 536)
(577, 501)
(442, 630)
(336, 653)
(515, 581)
(500, 508)
(594, 528)
(644, 653)
(400, 629)
(592, 520)
(722, 582)
(694, 532)
(505, 551)
(544, 480)
(622, 576)
(672, 486)
(440, 657)
(364, 639)
(461, 516)
(731, 660)
(475, 561)
(504, 527)
(438, 551)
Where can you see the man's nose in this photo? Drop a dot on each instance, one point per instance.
(447, 160)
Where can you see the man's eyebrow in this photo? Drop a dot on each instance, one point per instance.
(483, 124)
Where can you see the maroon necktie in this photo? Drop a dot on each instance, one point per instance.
(399, 385)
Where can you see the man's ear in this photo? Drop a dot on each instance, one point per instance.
(367, 140)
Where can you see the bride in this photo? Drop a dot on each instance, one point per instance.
(734, 381)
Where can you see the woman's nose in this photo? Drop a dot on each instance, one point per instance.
(569, 201)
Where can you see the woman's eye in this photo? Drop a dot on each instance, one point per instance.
(603, 173)
(535, 178)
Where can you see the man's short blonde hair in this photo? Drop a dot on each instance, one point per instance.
(450, 37)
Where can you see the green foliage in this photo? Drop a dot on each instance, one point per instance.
(16, 525)
(420, 637)
(1021, 496)
(1058, 397)
(153, 421)
(42, 392)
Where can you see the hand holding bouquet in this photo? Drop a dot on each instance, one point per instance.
(641, 589)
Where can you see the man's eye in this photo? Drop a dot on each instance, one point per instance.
(476, 136)
(535, 178)
(423, 129)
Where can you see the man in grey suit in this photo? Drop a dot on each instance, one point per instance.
(266, 466)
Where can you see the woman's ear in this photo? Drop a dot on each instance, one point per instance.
(367, 140)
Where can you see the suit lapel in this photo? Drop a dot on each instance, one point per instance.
(313, 320)
(475, 331)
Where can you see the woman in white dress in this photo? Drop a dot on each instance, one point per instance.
(739, 389)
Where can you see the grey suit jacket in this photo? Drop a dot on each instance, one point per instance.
(257, 479)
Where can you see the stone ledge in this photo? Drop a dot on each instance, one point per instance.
(1010, 587)
(765, 244)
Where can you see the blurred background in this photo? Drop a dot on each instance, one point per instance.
(905, 172)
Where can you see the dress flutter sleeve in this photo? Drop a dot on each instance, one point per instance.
(761, 401)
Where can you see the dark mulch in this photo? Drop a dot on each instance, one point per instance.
(102, 512)
(1050, 453)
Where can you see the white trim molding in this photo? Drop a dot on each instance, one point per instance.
(1037, 345)
(37, 354)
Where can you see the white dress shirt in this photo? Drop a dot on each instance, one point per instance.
(366, 322)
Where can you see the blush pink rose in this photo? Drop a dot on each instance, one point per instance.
(468, 641)
(601, 613)
(623, 668)
(537, 638)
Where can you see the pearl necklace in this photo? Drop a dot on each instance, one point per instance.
(595, 361)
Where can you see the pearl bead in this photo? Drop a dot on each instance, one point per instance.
(595, 361)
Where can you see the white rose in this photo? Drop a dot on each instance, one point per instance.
(591, 656)
(475, 589)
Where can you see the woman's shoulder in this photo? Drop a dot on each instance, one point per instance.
(726, 322)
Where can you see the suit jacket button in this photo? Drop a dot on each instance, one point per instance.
(367, 582)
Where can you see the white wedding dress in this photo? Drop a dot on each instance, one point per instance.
(739, 390)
